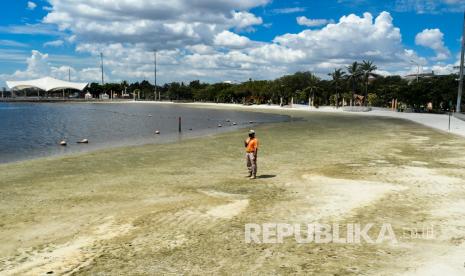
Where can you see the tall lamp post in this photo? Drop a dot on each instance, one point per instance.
(462, 57)
(418, 68)
(155, 76)
(101, 65)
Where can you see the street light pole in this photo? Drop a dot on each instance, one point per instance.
(101, 63)
(462, 57)
(155, 74)
(418, 69)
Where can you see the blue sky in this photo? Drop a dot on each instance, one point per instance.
(218, 40)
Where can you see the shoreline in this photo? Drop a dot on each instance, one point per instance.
(163, 138)
(435, 121)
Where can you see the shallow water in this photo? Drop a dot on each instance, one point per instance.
(32, 130)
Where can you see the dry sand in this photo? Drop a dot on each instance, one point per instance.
(181, 208)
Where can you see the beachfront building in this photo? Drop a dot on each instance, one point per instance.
(48, 85)
(414, 77)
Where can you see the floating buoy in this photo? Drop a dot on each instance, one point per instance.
(219, 125)
(157, 132)
(83, 141)
(228, 121)
(250, 122)
(190, 129)
(63, 143)
(150, 115)
(234, 123)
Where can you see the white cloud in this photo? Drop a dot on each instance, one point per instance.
(230, 54)
(54, 43)
(231, 40)
(31, 5)
(12, 43)
(204, 39)
(289, 10)
(244, 20)
(159, 24)
(352, 38)
(304, 21)
(201, 49)
(430, 6)
(30, 29)
(433, 39)
(39, 65)
(13, 56)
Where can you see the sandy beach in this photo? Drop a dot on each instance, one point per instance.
(181, 208)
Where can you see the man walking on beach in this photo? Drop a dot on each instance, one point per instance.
(251, 145)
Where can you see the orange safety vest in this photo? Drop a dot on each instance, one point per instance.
(252, 145)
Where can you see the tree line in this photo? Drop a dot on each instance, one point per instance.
(357, 84)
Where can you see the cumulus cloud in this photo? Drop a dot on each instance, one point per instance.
(353, 38)
(205, 39)
(38, 66)
(433, 39)
(304, 21)
(244, 20)
(31, 5)
(231, 40)
(157, 23)
(230, 54)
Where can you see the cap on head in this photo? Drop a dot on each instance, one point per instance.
(251, 132)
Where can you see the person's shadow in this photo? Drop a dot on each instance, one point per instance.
(266, 176)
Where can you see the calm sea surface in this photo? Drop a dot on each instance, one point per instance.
(32, 130)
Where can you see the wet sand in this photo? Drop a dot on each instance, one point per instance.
(181, 208)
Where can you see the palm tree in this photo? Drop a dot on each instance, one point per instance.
(368, 68)
(311, 88)
(354, 75)
(338, 77)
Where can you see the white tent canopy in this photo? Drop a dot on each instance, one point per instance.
(46, 84)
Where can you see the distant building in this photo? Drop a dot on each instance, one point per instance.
(104, 96)
(413, 77)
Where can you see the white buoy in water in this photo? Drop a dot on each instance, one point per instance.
(228, 121)
(157, 132)
(250, 122)
(219, 125)
(234, 123)
(63, 143)
(150, 115)
(83, 141)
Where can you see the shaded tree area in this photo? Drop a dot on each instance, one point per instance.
(358, 84)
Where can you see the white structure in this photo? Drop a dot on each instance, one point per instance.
(46, 84)
(104, 96)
